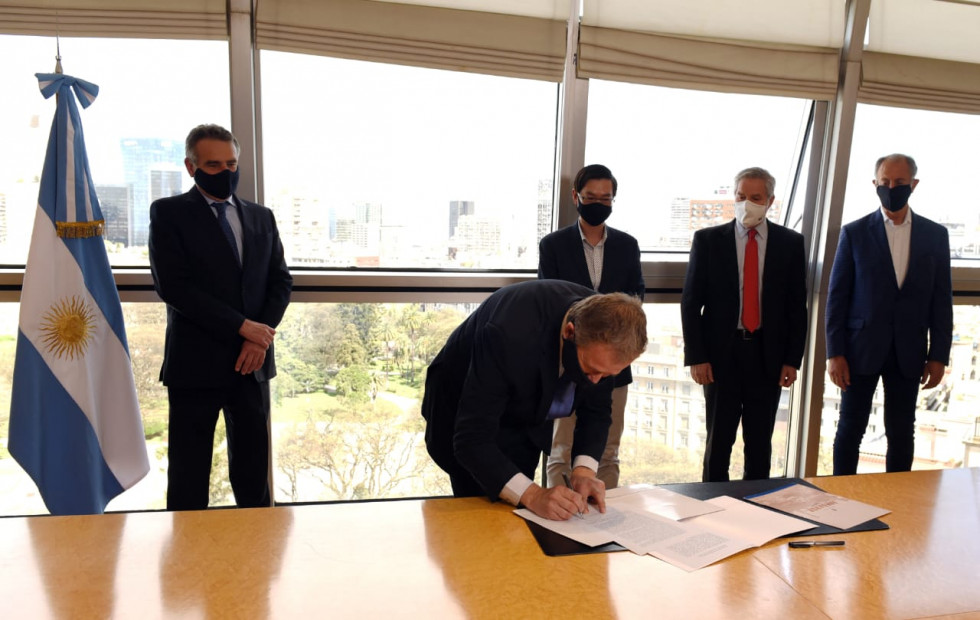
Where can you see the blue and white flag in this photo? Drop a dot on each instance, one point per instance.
(75, 423)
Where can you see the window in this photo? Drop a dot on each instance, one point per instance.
(376, 165)
(936, 141)
(134, 131)
(944, 416)
(675, 152)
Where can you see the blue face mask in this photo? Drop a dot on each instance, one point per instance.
(894, 198)
(221, 185)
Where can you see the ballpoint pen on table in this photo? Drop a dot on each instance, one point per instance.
(568, 483)
(806, 544)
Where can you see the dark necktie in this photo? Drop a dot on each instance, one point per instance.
(561, 405)
(750, 284)
(226, 228)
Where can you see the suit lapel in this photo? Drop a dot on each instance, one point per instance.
(729, 256)
(876, 229)
(200, 213)
(577, 252)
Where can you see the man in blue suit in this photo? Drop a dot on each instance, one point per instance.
(595, 255)
(217, 262)
(889, 315)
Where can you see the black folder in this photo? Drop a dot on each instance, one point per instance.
(554, 544)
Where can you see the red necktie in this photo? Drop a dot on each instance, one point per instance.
(750, 284)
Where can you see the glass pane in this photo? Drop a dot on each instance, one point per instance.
(346, 403)
(134, 131)
(374, 165)
(145, 326)
(947, 417)
(675, 153)
(665, 429)
(943, 146)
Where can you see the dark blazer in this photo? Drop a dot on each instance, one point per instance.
(491, 385)
(561, 257)
(867, 312)
(208, 294)
(710, 300)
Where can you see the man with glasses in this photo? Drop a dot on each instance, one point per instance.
(743, 312)
(889, 316)
(604, 259)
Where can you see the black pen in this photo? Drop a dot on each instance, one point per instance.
(805, 544)
(568, 483)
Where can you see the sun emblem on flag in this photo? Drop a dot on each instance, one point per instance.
(67, 327)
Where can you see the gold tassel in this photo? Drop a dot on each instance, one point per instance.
(79, 230)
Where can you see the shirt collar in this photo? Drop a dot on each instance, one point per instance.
(605, 233)
(762, 229)
(888, 222)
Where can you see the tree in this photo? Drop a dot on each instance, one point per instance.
(354, 384)
(356, 452)
(351, 351)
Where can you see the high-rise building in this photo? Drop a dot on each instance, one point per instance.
(545, 204)
(116, 202)
(458, 208)
(140, 156)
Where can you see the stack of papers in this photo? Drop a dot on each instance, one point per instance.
(819, 506)
(685, 532)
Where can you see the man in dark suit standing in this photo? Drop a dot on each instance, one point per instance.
(889, 315)
(604, 259)
(217, 262)
(531, 353)
(743, 312)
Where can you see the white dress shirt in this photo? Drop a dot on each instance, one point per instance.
(899, 241)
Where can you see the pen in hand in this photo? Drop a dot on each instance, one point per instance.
(568, 483)
(805, 544)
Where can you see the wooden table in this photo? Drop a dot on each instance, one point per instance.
(448, 558)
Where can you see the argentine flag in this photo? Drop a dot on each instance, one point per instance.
(75, 423)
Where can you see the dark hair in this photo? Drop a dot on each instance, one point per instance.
(205, 132)
(592, 172)
(913, 169)
(615, 319)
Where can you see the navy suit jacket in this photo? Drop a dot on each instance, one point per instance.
(493, 382)
(208, 294)
(562, 257)
(866, 310)
(710, 300)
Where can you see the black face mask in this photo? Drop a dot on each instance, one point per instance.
(894, 198)
(569, 361)
(221, 185)
(594, 213)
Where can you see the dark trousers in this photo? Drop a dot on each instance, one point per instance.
(742, 392)
(193, 416)
(855, 409)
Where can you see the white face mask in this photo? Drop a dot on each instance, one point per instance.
(749, 213)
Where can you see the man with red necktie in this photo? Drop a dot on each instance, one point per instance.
(743, 311)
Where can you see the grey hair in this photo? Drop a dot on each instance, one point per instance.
(205, 132)
(758, 173)
(614, 319)
(913, 169)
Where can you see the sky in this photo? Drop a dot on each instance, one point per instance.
(415, 139)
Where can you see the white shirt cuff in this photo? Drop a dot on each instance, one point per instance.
(584, 460)
(515, 488)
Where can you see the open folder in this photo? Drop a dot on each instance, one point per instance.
(555, 544)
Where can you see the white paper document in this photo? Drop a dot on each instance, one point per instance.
(718, 528)
(819, 506)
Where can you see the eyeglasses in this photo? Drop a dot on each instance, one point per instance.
(589, 198)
